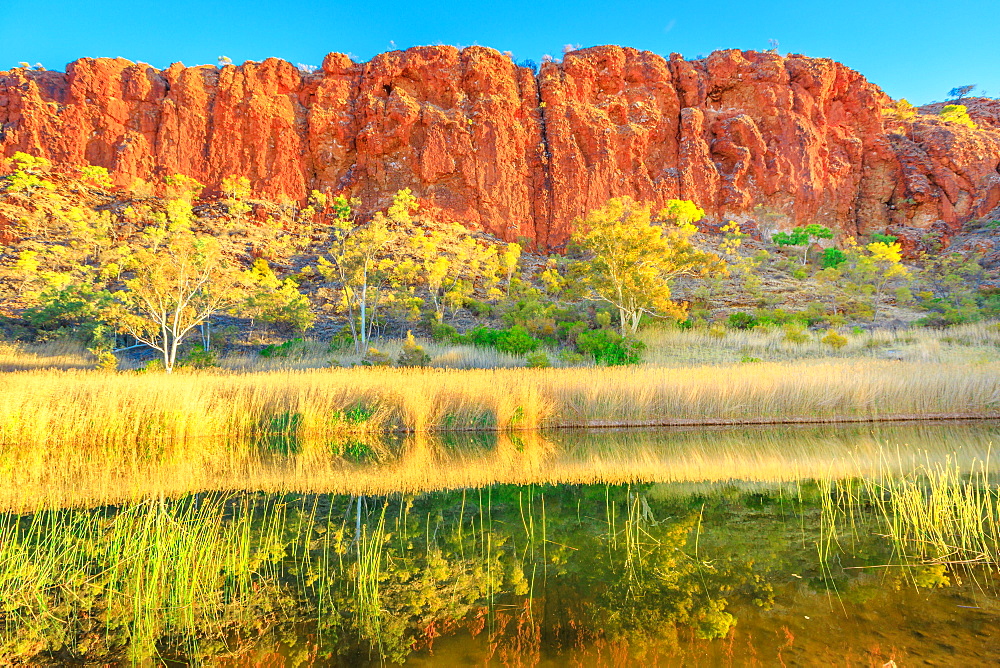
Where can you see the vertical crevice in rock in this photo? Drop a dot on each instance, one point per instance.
(543, 222)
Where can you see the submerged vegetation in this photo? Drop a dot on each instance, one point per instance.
(362, 577)
(940, 512)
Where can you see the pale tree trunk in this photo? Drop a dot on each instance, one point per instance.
(363, 330)
(174, 344)
(165, 333)
(636, 318)
(206, 335)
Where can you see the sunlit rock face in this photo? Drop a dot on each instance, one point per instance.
(780, 140)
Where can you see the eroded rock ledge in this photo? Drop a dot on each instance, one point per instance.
(785, 140)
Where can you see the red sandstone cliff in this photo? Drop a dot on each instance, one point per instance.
(495, 147)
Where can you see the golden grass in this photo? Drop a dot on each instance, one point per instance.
(975, 343)
(43, 477)
(53, 355)
(82, 407)
(314, 354)
(87, 409)
(89, 434)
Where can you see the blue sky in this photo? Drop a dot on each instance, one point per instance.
(916, 49)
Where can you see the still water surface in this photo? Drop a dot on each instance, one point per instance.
(793, 546)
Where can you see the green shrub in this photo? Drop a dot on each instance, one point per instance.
(836, 320)
(989, 300)
(481, 309)
(570, 357)
(795, 333)
(717, 330)
(945, 313)
(886, 239)
(610, 348)
(543, 328)
(199, 358)
(904, 296)
(106, 360)
(76, 310)
(859, 310)
(516, 340)
(814, 314)
(442, 331)
(780, 316)
(342, 340)
(832, 257)
(484, 337)
(154, 365)
(568, 331)
(538, 361)
(285, 349)
(741, 320)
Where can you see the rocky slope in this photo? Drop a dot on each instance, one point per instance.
(780, 140)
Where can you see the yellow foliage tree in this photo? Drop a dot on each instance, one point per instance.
(357, 263)
(271, 299)
(628, 259)
(875, 267)
(957, 113)
(179, 283)
(901, 110)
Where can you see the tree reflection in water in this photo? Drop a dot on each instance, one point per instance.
(518, 575)
(528, 569)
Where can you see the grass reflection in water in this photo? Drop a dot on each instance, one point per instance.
(43, 475)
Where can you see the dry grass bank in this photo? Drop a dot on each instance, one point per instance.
(666, 346)
(975, 343)
(312, 354)
(62, 355)
(74, 408)
(85, 407)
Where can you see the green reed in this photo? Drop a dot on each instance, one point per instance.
(940, 512)
(368, 568)
(147, 570)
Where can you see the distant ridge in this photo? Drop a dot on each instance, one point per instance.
(780, 139)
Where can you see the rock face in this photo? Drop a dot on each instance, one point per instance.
(780, 140)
